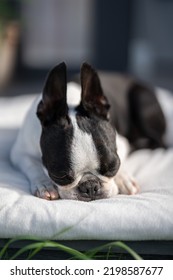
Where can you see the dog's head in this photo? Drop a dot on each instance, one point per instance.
(78, 146)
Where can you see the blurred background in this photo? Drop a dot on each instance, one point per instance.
(128, 36)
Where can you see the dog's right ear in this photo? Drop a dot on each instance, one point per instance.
(93, 99)
(53, 106)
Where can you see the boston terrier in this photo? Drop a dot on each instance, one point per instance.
(75, 138)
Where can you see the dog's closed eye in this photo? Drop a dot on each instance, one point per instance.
(109, 169)
(62, 178)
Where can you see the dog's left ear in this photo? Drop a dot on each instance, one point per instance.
(93, 99)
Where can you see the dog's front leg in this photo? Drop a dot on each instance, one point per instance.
(126, 183)
(41, 184)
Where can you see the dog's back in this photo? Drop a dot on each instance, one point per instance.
(136, 110)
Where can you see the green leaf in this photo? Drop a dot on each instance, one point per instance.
(93, 252)
(49, 244)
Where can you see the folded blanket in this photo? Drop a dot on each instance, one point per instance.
(145, 216)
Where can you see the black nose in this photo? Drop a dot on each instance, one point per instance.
(90, 189)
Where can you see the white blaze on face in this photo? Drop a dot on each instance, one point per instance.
(84, 156)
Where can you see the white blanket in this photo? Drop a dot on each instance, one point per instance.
(145, 216)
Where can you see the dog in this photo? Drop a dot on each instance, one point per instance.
(75, 138)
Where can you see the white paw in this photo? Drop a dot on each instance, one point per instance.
(45, 190)
(126, 183)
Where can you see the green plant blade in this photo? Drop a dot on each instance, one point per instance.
(4, 249)
(48, 244)
(120, 244)
(40, 244)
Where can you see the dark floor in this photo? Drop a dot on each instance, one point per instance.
(148, 250)
(58, 255)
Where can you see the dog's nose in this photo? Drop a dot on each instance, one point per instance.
(90, 189)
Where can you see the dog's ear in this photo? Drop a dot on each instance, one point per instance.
(93, 99)
(53, 106)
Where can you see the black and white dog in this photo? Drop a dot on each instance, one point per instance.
(72, 141)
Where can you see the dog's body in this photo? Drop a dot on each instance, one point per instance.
(70, 150)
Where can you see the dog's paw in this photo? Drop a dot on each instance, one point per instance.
(45, 190)
(126, 184)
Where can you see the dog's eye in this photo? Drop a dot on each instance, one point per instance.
(62, 178)
(110, 169)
